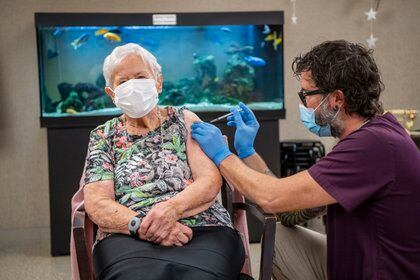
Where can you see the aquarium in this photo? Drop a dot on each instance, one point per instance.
(210, 61)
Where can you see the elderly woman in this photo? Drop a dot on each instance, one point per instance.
(150, 188)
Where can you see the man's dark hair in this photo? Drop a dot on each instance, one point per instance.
(349, 68)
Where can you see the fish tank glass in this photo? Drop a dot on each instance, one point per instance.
(210, 62)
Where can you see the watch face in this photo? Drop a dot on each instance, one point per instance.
(134, 225)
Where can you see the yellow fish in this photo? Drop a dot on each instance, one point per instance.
(101, 31)
(271, 37)
(71, 111)
(276, 39)
(112, 37)
(277, 42)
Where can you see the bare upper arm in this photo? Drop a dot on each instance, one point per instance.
(199, 163)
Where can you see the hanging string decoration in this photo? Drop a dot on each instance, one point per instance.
(294, 17)
(371, 17)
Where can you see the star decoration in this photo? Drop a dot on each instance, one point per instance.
(371, 14)
(372, 41)
(294, 19)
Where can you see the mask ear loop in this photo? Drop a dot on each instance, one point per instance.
(322, 101)
(113, 99)
(336, 114)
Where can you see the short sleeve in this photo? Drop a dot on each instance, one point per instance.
(358, 167)
(99, 163)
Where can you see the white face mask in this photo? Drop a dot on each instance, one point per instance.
(136, 97)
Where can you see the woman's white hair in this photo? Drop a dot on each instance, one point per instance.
(119, 53)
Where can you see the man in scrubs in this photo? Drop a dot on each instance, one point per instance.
(370, 180)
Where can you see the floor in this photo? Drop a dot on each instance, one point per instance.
(26, 255)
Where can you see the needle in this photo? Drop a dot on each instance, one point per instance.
(224, 116)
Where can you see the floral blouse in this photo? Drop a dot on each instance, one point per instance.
(135, 163)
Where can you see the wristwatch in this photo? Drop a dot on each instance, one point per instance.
(134, 225)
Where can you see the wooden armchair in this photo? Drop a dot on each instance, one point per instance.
(83, 234)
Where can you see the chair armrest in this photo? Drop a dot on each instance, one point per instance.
(268, 237)
(254, 210)
(82, 229)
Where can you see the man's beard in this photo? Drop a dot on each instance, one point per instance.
(327, 116)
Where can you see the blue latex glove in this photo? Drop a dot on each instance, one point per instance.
(211, 141)
(246, 130)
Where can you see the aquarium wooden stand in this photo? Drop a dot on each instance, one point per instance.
(67, 149)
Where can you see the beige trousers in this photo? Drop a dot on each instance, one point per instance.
(300, 254)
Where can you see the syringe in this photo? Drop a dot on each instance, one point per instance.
(224, 116)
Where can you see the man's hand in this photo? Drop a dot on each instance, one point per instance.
(159, 222)
(211, 141)
(179, 236)
(246, 130)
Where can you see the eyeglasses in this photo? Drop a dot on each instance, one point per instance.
(302, 94)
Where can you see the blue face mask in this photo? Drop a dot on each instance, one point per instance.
(307, 116)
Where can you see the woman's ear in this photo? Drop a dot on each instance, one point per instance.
(159, 83)
(110, 93)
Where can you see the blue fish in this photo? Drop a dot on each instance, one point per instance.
(266, 29)
(226, 29)
(57, 32)
(115, 31)
(80, 41)
(52, 53)
(255, 61)
(236, 49)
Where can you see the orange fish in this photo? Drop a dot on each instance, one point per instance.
(101, 31)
